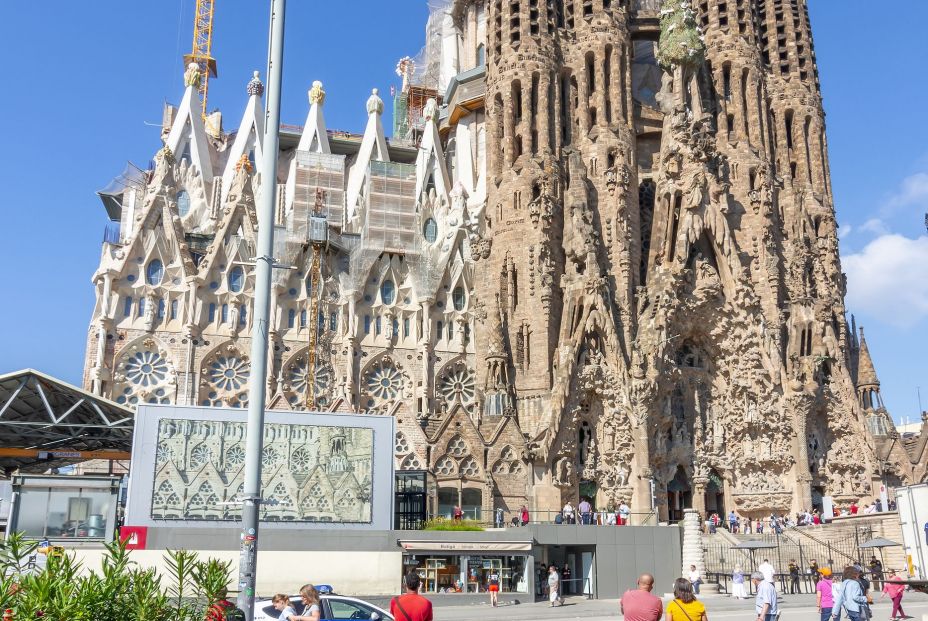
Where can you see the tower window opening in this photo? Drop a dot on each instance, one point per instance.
(291, 318)
(141, 307)
(225, 313)
(367, 324)
(303, 318)
(174, 309)
(154, 273)
(243, 315)
(127, 307)
(162, 309)
(212, 312)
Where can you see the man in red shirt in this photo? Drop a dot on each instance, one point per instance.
(854, 508)
(640, 604)
(411, 606)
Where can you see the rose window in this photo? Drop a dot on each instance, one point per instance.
(457, 447)
(282, 496)
(458, 386)
(268, 457)
(402, 446)
(229, 373)
(383, 382)
(225, 380)
(163, 453)
(235, 456)
(299, 379)
(301, 460)
(199, 456)
(469, 467)
(445, 466)
(411, 463)
(143, 376)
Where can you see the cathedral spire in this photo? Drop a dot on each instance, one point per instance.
(497, 387)
(866, 373)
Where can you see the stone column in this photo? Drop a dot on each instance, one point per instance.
(699, 495)
(692, 549)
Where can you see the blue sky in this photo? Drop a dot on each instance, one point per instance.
(85, 84)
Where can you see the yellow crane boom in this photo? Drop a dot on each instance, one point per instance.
(202, 47)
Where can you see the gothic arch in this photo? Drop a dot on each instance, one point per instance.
(383, 382)
(223, 377)
(144, 373)
(456, 384)
(295, 380)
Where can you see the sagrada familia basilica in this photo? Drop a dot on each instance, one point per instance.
(598, 256)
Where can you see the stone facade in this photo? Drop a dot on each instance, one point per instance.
(596, 274)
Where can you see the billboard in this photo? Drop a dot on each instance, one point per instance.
(325, 470)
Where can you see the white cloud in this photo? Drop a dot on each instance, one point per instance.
(888, 279)
(875, 226)
(844, 231)
(914, 191)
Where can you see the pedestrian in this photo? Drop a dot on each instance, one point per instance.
(813, 570)
(641, 604)
(767, 570)
(311, 609)
(765, 604)
(685, 606)
(732, 522)
(568, 513)
(586, 511)
(695, 579)
(794, 577)
(624, 513)
(737, 584)
(879, 505)
(411, 606)
(759, 527)
(836, 588)
(854, 508)
(876, 573)
(894, 587)
(493, 587)
(457, 514)
(281, 603)
(824, 595)
(851, 598)
(523, 515)
(541, 577)
(498, 522)
(565, 581)
(554, 583)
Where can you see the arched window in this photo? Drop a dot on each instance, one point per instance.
(183, 203)
(141, 307)
(243, 314)
(367, 324)
(154, 272)
(333, 321)
(225, 313)
(236, 279)
(387, 292)
(212, 313)
(174, 309)
(430, 230)
(291, 318)
(481, 55)
(303, 318)
(161, 309)
(457, 298)
(127, 307)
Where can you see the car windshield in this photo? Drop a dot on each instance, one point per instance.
(346, 609)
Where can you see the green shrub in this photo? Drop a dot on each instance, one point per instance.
(121, 591)
(443, 524)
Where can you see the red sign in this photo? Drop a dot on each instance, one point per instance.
(137, 536)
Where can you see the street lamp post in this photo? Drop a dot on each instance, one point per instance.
(264, 264)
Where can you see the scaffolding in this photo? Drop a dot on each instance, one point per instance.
(314, 172)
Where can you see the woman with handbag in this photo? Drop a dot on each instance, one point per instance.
(685, 606)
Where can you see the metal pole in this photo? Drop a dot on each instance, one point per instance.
(264, 263)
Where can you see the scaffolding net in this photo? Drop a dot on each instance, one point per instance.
(319, 192)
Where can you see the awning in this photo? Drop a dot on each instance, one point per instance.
(465, 546)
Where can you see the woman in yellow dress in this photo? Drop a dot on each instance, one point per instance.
(685, 606)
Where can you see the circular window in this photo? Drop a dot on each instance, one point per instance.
(457, 297)
(236, 279)
(183, 203)
(430, 230)
(387, 292)
(155, 272)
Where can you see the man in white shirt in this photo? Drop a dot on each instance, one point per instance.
(568, 513)
(767, 570)
(694, 578)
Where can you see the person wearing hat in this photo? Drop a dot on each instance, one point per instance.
(824, 594)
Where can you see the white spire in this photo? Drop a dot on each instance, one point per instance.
(373, 139)
(250, 135)
(188, 129)
(315, 138)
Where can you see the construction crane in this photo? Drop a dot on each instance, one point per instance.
(318, 235)
(202, 46)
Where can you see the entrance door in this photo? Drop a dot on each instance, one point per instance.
(715, 496)
(679, 495)
(586, 560)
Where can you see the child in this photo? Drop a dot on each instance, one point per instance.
(282, 603)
